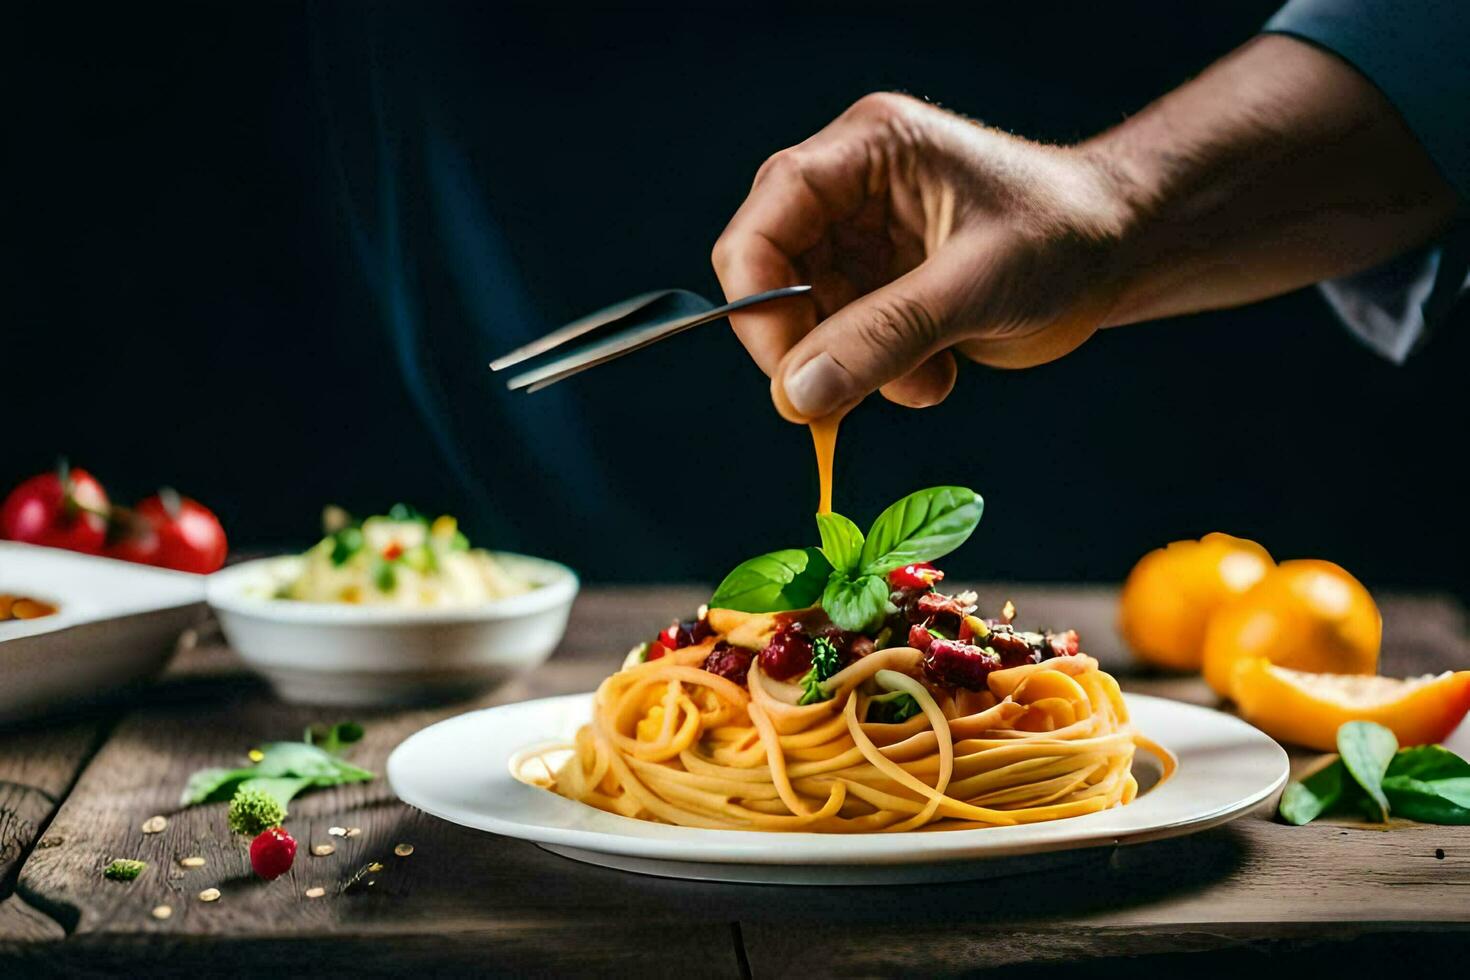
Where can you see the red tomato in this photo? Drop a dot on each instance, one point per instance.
(189, 536)
(64, 509)
(133, 539)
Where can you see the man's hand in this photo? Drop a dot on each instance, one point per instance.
(920, 231)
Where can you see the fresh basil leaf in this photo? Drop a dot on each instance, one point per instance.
(332, 738)
(1444, 801)
(921, 527)
(1366, 749)
(281, 788)
(842, 542)
(855, 604)
(1428, 762)
(313, 762)
(213, 785)
(776, 582)
(1307, 800)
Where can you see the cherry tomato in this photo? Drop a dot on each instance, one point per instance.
(64, 509)
(190, 537)
(920, 575)
(134, 539)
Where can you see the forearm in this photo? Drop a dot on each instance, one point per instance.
(1278, 167)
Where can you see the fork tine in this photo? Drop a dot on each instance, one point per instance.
(575, 329)
(623, 342)
(607, 350)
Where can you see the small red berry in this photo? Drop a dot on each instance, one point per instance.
(788, 654)
(272, 852)
(920, 575)
(950, 663)
(731, 663)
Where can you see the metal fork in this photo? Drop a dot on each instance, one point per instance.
(623, 328)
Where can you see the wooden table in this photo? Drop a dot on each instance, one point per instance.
(74, 795)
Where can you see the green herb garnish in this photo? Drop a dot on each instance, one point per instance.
(124, 869)
(253, 811)
(892, 708)
(384, 576)
(1427, 783)
(259, 794)
(826, 661)
(848, 573)
(405, 512)
(346, 543)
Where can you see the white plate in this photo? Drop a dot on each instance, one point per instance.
(338, 653)
(116, 626)
(460, 770)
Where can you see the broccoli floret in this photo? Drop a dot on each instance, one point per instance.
(825, 662)
(254, 811)
(124, 869)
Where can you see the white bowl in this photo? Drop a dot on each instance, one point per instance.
(338, 653)
(116, 627)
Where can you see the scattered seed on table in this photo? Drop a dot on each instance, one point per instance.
(50, 842)
(403, 850)
(191, 862)
(375, 866)
(322, 850)
(154, 825)
(162, 911)
(209, 895)
(337, 831)
(316, 892)
(353, 831)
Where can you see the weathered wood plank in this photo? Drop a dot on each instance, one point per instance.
(490, 903)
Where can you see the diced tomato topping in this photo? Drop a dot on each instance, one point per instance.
(393, 552)
(655, 650)
(921, 575)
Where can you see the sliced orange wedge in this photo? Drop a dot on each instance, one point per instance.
(1307, 709)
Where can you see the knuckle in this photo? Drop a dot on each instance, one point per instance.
(721, 254)
(782, 162)
(880, 106)
(898, 322)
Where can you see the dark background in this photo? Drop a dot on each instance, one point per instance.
(262, 252)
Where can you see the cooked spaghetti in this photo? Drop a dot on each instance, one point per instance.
(697, 731)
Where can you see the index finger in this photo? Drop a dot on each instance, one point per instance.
(797, 196)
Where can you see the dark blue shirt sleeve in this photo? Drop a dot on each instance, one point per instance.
(1418, 54)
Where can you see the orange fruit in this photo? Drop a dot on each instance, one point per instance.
(1172, 592)
(1307, 615)
(1307, 709)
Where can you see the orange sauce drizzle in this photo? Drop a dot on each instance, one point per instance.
(824, 437)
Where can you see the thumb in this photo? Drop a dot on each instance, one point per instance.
(869, 343)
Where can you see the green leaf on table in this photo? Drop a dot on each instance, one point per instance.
(333, 738)
(1428, 762)
(775, 582)
(842, 542)
(213, 785)
(855, 605)
(1367, 749)
(1443, 801)
(294, 760)
(300, 759)
(1305, 801)
(281, 788)
(923, 526)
